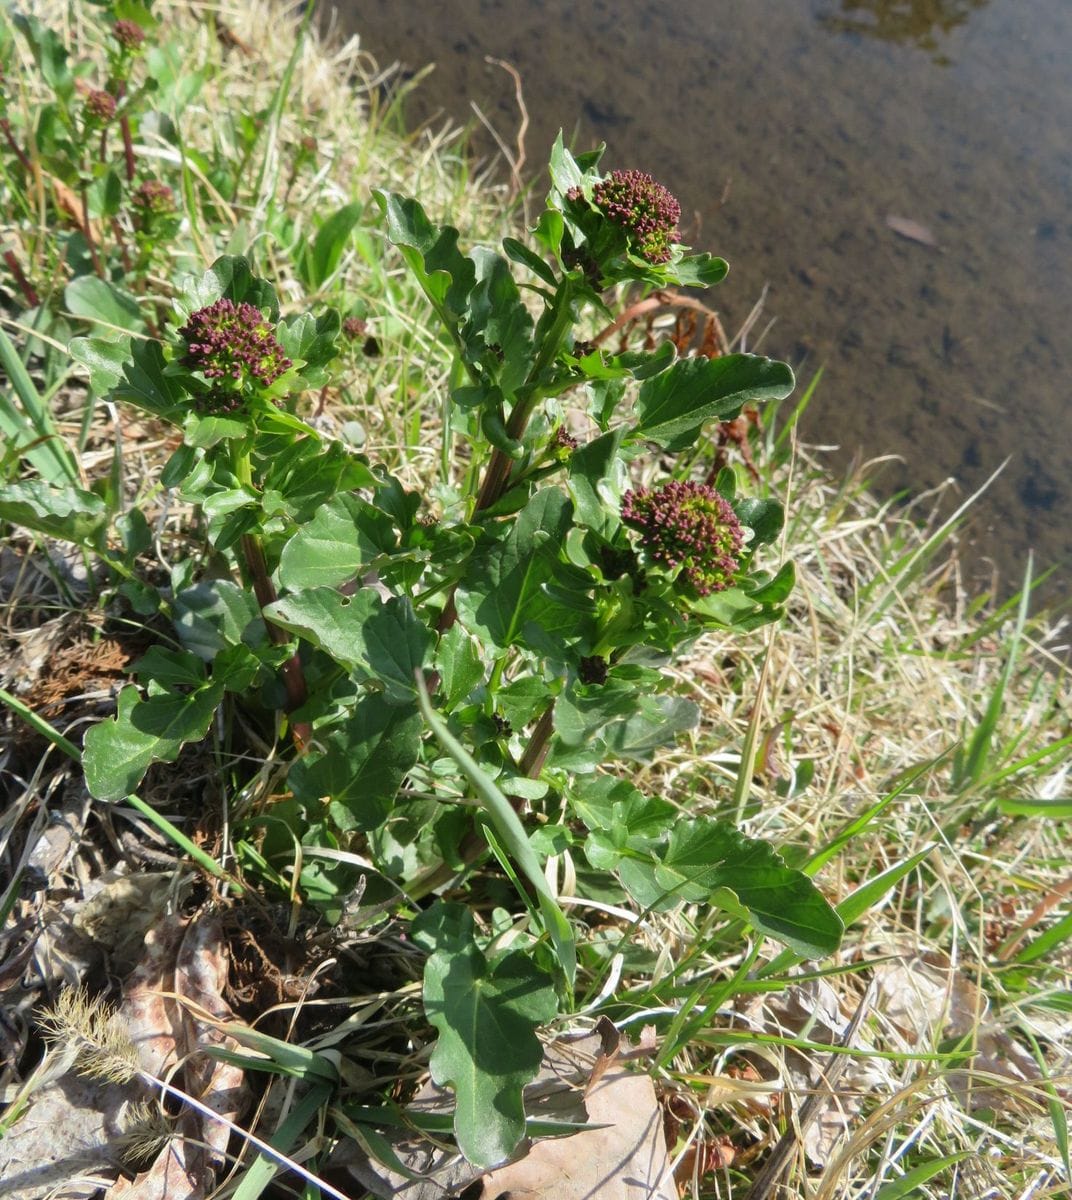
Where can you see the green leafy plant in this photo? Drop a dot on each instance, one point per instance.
(458, 669)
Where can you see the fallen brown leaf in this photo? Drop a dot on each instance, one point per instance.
(624, 1160)
(912, 230)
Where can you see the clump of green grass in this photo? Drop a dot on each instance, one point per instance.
(902, 741)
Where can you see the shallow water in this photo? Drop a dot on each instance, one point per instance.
(808, 137)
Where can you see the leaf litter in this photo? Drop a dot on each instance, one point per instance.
(88, 1118)
(583, 1080)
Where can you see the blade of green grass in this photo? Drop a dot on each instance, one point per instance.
(151, 815)
(858, 902)
(31, 426)
(511, 832)
(912, 1180)
(799, 409)
(1045, 943)
(1054, 1103)
(967, 772)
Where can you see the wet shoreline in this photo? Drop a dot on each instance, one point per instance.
(900, 190)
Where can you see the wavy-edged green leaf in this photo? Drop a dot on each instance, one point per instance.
(64, 512)
(231, 276)
(697, 270)
(119, 751)
(344, 536)
(597, 478)
(431, 253)
(215, 614)
(384, 642)
(145, 384)
(97, 300)
(359, 765)
(520, 253)
(518, 592)
(311, 343)
(704, 857)
(662, 863)
(504, 324)
(486, 1013)
(104, 358)
(655, 721)
(673, 406)
(459, 664)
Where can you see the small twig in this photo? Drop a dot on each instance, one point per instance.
(128, 141)
(664, 298)
(539, 743)
(29, 294)
(16, 149)
(87, 233)
(1037, 913)
(771, 1173)
(517, 163)
(291, 671)
(124, 253)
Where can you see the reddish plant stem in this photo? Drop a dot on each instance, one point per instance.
(29, 294)
(16, 149)
(539, 743)
(124, 253)
(128, 141)
(291, 671)
(87, 233)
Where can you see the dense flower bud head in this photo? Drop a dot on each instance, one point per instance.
(100, 105)
(687, 526)
(154, 196)
(643, 208)
(129, 34)
(564, 441)
(234, 344)
(354, 328)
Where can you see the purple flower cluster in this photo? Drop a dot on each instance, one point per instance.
(129, 35)
(643, 208)
(100, 105)
(691, 526)
(234, 344)
(154, 197)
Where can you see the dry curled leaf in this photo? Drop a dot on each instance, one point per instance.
(913, 231)
(626, 1159)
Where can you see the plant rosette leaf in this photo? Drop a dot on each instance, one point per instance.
(359, 764)
(383, 643)
(431, 253)
(673, 406)
(486, 1011)
(65, 512)
(119, 751)
(520, 592)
